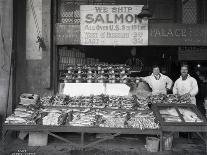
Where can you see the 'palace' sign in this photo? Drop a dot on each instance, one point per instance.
(177, 34)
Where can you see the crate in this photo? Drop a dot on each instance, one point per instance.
(28, 99)
(37, 139)
(168, 142)
(152, 144)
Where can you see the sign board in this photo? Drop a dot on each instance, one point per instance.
(112, 25)
(177, 34)
(87, 89)
(118, 89)
(82, 89)
(159, 34)
(67, 34)
(192, 53)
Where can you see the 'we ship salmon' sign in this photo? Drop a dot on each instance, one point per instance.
(113, 25)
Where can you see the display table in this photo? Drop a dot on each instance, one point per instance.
(165, 127)
(172, 117)
(184, 125)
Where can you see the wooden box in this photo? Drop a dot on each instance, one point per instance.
(37, 139)
(157, 107)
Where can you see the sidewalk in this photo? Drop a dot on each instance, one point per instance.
(118, 146)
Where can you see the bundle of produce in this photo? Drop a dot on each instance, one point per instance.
(98, 101)
(32, 107)
(185, 99)
(67, 100)
(23, 115)
(102, 112)
(19, 120)
(99, 120)
(105, 99)
(28, 99)
(114, 102)
(58, 100)
(86, 101)
(29, 108)
(83, 119)
(189, 115)
(171, 99)
(127, 102)
(143, 121)
(54, 118)
(170, 115)
(69, 117)
(140, 103)
(156, 99)
(79, 101)
(73, 101)
(24, 112)
(114, 119)
(47, 110)
(47, 101)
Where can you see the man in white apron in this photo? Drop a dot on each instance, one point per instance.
(159, 83)
(186, 85)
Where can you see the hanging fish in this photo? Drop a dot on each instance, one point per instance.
(40, 41)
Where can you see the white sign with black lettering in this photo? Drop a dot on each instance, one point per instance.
(113, 25)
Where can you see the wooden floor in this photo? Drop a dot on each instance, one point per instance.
(122, 145)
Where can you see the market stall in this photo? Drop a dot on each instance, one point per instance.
(104, 105)
(92, 99)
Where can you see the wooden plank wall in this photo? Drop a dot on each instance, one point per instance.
(32, 76)
(5, 51)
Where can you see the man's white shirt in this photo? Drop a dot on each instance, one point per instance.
(159, 86)
(189, 85)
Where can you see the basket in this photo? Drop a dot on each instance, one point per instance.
(152, 144)
(28, 99)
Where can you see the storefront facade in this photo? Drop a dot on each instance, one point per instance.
(40, 75)
(170, 25)
(48, 36)
(165, 29)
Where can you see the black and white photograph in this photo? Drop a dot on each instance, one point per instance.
(103, 77)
